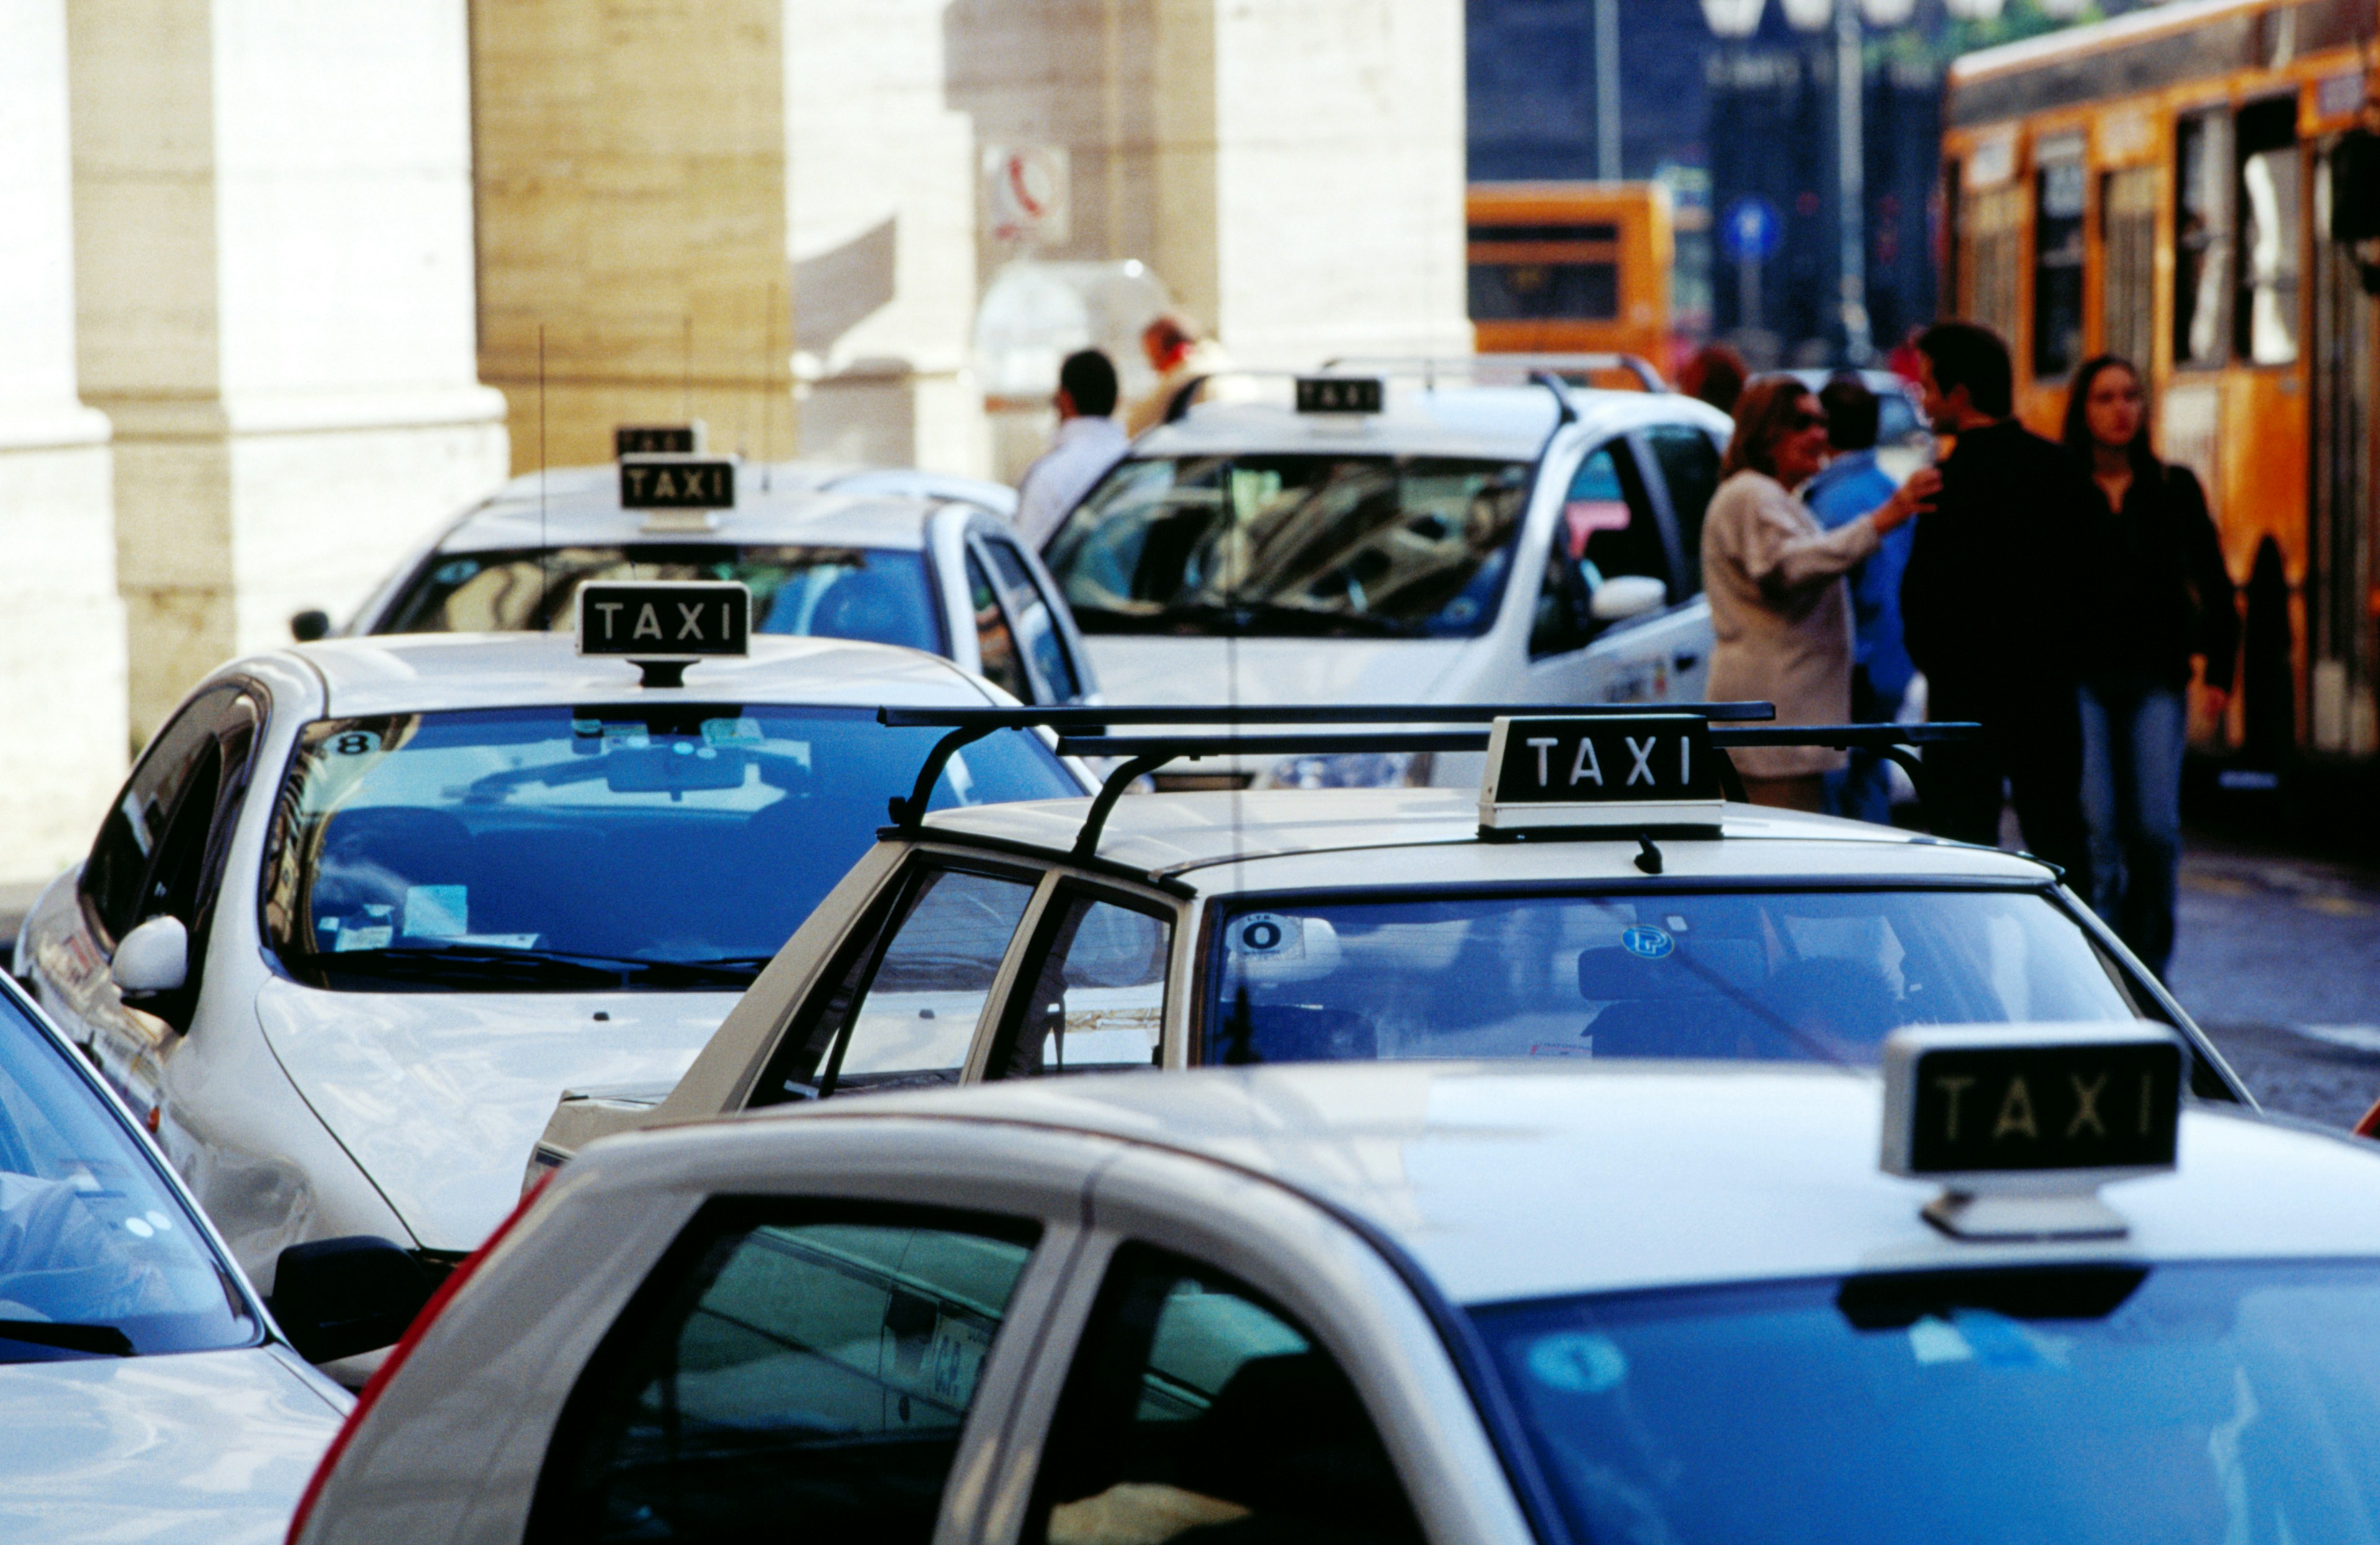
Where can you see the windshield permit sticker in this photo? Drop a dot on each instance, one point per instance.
(437, 911)
(1647, 943)
(732, 732)
(1268, 935)
(354, 743)
(1579, 1362)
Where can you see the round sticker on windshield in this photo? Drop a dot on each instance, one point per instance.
(1268, 934)
(1577, 1361)
(1647, 943)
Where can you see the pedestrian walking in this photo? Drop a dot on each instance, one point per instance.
(1779, 609)
(1179, 356)
(1989, 606)
(1088, 442)
(1851, 486)
(2160, 594)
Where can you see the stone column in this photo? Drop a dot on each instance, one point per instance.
(272, 228)
(62, 726)
(631, 167)
(881, 208)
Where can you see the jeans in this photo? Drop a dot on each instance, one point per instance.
(2033, 745)
(2132, 735)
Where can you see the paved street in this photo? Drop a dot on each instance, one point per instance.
(2280, 959)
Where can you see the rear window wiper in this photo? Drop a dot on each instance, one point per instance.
(106, 1340)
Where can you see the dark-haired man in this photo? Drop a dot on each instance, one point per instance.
(1088, 442)
(1990, 605)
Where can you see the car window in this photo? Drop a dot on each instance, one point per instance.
(1098, 1000)
(994, 636)
(1037, 628)
(98, 1256)
(1818, 976)
(1689, 464)
(115, 876)
(1607, 529)
(1194, 1403)
(786, 1378)
(915, 1020)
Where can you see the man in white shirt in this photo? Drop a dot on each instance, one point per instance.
(1088, 442)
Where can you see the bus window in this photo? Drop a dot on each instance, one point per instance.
(2201, 238)
(2267, 307)
(1994, 223)
(2057, 267)
(2128, 201)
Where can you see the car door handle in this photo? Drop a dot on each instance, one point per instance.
(1685, 660)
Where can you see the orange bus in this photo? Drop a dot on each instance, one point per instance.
(2158, 185)
(1571, 268)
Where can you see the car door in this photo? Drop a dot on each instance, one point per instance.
(1683, 465)
(1616, 603)
(1044, 627)
(160, 851)
(1089, 994)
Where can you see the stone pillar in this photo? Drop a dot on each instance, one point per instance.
(273, 235)
(631, 170)
(881, 208)
(64, 742)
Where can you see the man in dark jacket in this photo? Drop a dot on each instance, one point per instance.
(1990, 610)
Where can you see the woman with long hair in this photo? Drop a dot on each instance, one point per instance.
(2160, 594)
(1779, 609)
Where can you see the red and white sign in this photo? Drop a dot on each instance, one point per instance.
(1027, 194)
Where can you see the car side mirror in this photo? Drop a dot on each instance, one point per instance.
(336, 1297)
(310, 624)
(152, 958)
(1628, 595)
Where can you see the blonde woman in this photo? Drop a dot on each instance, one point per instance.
(1779, 606)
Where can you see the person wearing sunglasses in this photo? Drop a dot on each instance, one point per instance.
(1780, 609)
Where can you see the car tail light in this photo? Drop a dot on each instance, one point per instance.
(395, 1360)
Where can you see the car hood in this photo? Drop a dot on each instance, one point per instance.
(1138, 668)
(441, 1096)
(207, 1448)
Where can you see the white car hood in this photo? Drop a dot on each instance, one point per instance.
(1139, 668)
(189, 1448)
(440, 1096)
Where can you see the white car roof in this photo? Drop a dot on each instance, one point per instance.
(1506, 423)
(795, 504)
(422, 672)
(1510, 1184)
(1368, 835)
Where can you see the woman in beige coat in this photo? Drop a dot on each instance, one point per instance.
(1779, 609)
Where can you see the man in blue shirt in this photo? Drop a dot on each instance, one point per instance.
(1851, 485)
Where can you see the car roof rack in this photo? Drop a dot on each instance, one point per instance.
(1087, 732)
(1521, 367)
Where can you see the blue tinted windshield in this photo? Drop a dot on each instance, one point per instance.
(2183, 1405)
(98, 1257)
(667, 847)
(1780, 975)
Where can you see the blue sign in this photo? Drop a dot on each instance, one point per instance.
(1752, 228)
(1647, 943)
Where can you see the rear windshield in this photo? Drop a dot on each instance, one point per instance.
(2234, 1403)
(98, 1256)
(868, 593)
(1786, 976)
(525, 849)
(1292, 546)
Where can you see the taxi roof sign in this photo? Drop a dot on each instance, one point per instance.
(629, 440)
(2021, 1125)
(1645, 771)
(677, 482)
(1340, 394)
(665, 624)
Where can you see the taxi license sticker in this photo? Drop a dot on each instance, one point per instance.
(1268, 935)
(1578, 1361)
(732, 732)
(1647, 943)
(354, 743)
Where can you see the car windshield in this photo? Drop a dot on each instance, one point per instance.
(98, 1256)
(525, 848)
(835, 593)
(1795, 975)
(2180, 1404)
(1329, 546)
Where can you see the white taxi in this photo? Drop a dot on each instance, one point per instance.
(1597, 897)
(1445, 1302)
(1423, 536)
(366, 908)
(892, 557)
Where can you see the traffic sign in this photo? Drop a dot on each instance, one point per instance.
(1752, 228)
(1028, 195)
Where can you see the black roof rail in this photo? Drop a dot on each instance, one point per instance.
(1528, 366)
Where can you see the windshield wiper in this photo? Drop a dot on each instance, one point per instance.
(549, 966)
(1281, 617)
(105, 1341)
